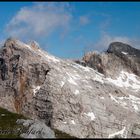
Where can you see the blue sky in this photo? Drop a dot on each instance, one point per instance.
(69, 29)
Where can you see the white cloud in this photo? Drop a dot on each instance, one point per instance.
(2, 41)
(106, 39)
(105, 24)
(38, 20)
(84, 20)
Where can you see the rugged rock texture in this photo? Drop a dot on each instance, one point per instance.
(118, 57)
(35, 129)
(68, 97)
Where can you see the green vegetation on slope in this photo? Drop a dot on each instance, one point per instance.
(8, 126)
(62, 135)
(10, 129)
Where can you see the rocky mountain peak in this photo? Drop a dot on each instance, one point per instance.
(118, 46)
(97, 98)
(118, 57)
(13, 43)
(122, 48)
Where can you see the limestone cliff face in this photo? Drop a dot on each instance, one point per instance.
(118, 57)
(78, 100)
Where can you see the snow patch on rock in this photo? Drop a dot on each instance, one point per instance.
(36, 89)
(113, 98)
(72, 81)
(98, 78)
(124, 53)
(121, 132)
(62, 83)
(48, 57)
(76, 92)
(127, 101)
(102, 98)
(73, 122)
(127, 80)
(91, 115)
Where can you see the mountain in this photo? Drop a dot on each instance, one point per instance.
(117, 58)
(96, 97)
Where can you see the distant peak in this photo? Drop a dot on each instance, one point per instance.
(10, 42)
(11, 39)
(118, 43)
(119, 47)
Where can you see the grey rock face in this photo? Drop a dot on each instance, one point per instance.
(118, 48)
(118, 57)
(69, 97)
(35, 129)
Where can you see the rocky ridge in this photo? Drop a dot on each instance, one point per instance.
(98, 100)
(117, 58)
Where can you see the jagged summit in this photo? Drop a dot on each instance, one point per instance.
(118, 57)
(13, 42)
(98, 100)
(119, 47)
